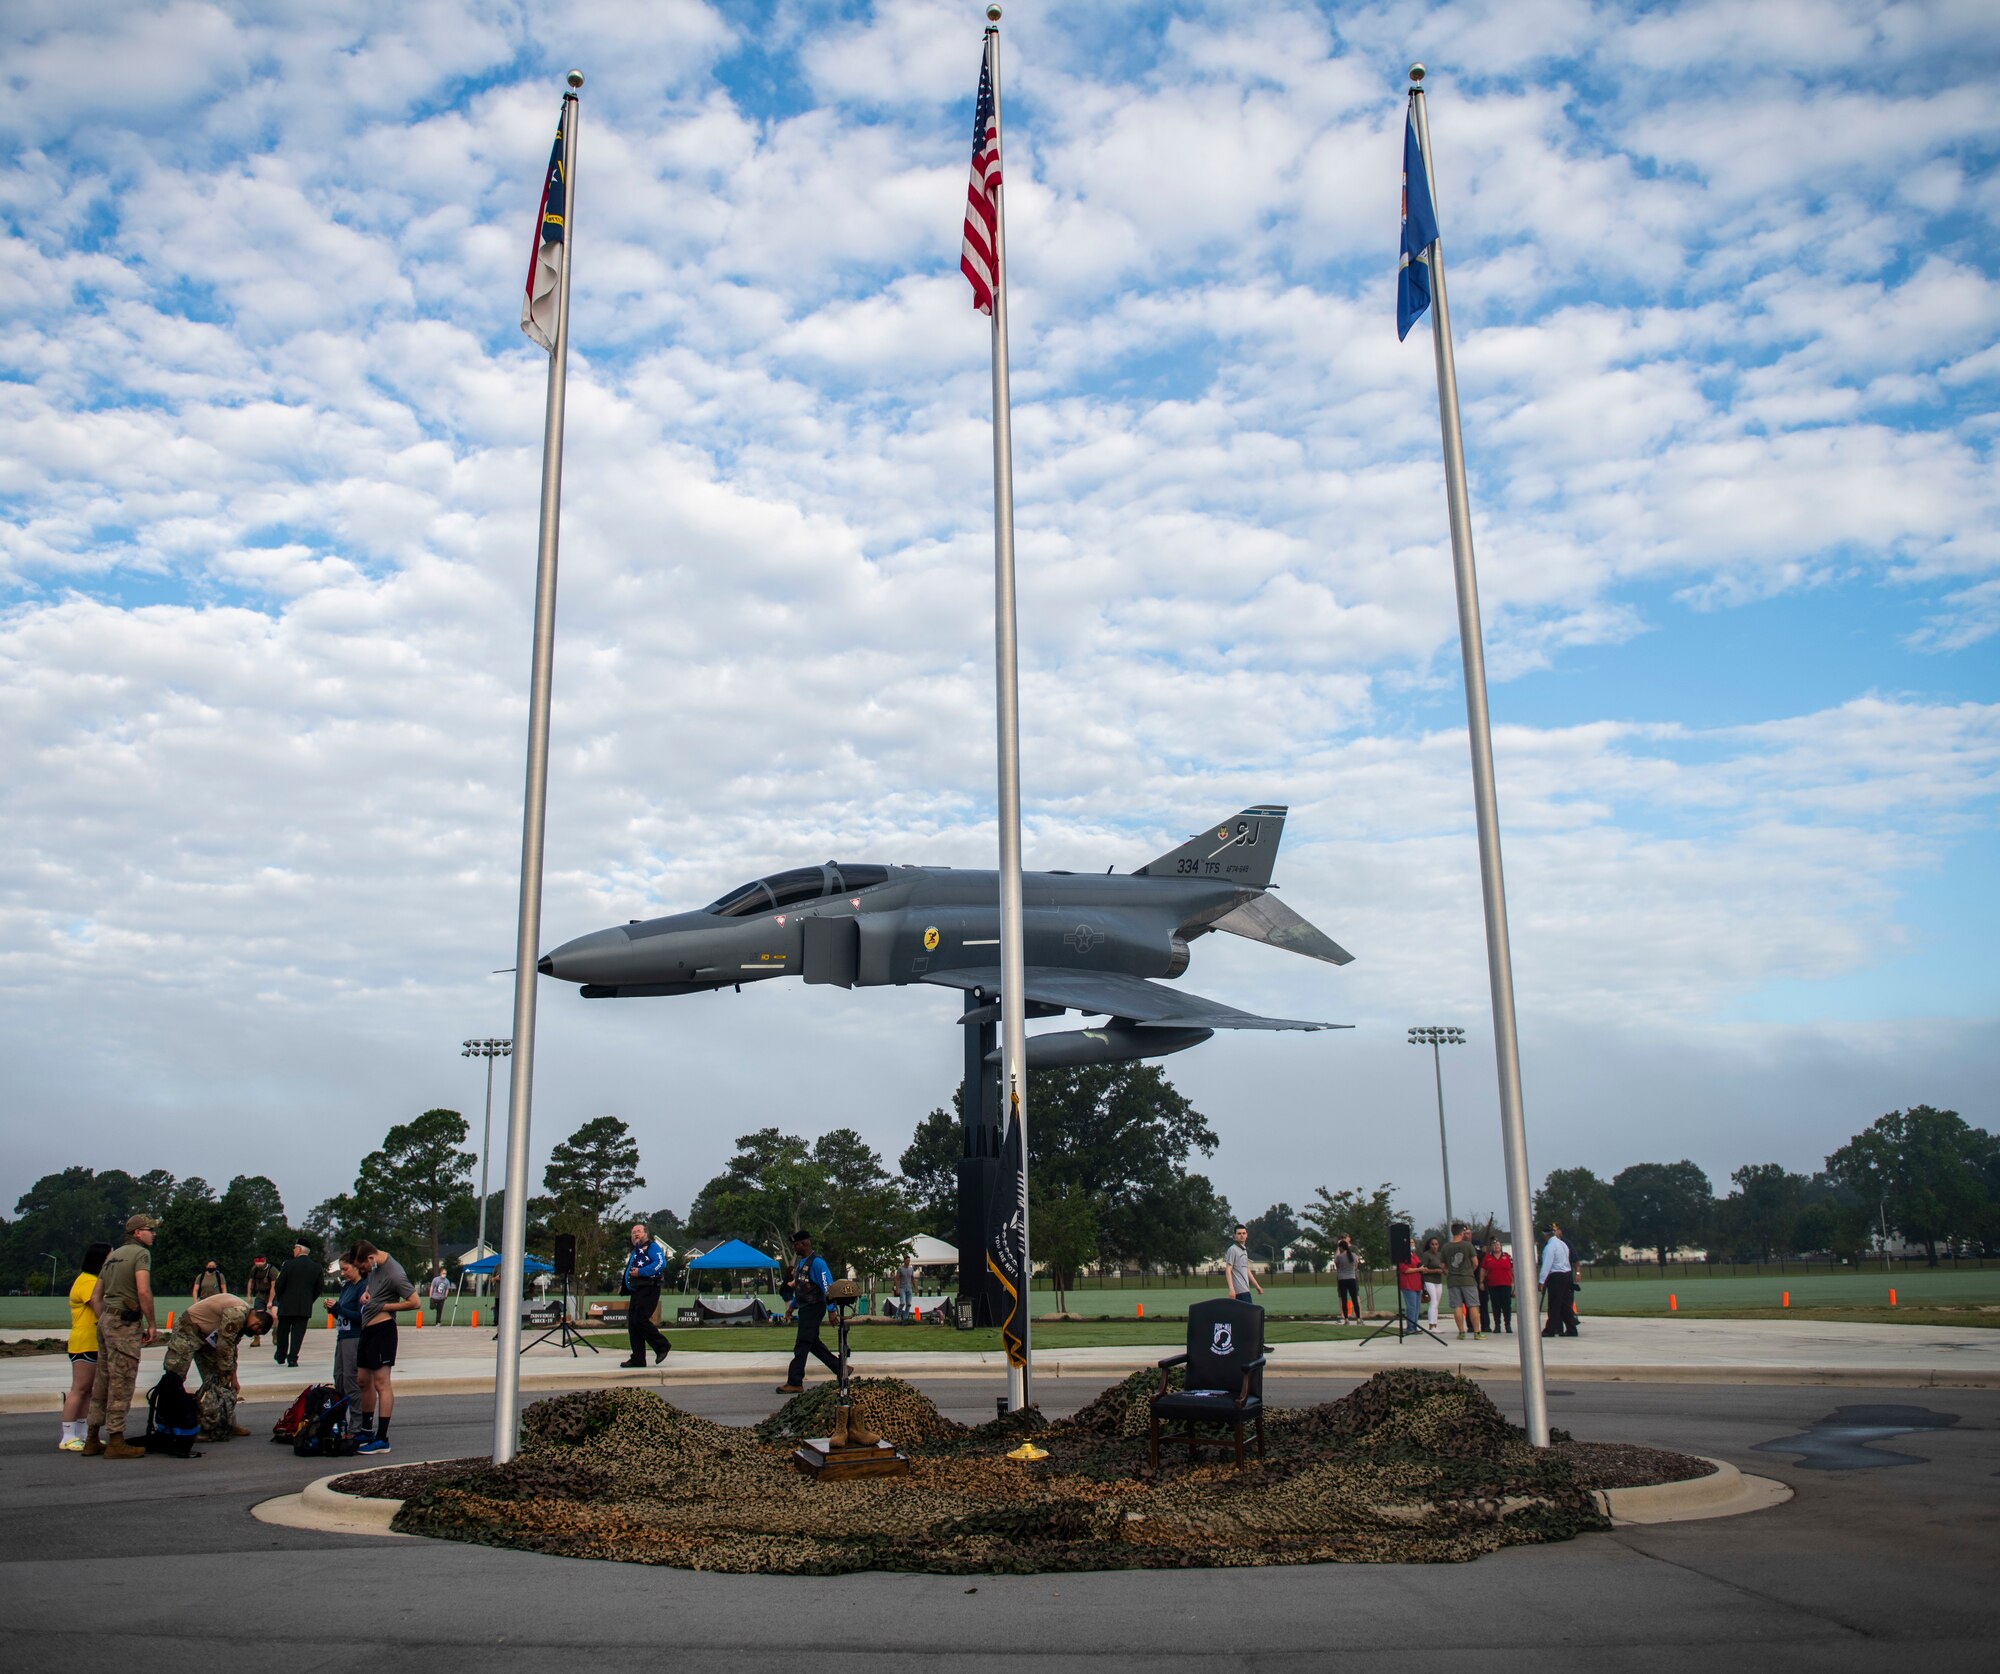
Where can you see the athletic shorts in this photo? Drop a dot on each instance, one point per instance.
(1465, 1296)
(378, 1346)
(89, 1359)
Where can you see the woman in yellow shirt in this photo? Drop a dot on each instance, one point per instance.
(82, 1348)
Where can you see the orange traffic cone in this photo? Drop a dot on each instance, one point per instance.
(1142, 1310)
(420, 1319)
(1673, 1303)
(1892, 1296)
(170, 1319)
(475, 1319)
(329, 1322)
(1788, 1299)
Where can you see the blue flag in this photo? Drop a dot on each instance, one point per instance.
(1420, 231)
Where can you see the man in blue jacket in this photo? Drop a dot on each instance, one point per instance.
(805, 1287)
(644, 1268)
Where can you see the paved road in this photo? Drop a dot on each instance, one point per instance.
(1866, 1569)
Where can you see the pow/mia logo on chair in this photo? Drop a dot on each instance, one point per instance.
(1225, 1380)
(1225, 1338)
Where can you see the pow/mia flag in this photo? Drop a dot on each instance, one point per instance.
(1007, 1244)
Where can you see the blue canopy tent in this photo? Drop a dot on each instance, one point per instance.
(491, 1264)
(732, 1255)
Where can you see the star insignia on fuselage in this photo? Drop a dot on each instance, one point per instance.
(1084, 938)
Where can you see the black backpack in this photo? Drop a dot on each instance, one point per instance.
(173, 1417)
(328, 1432)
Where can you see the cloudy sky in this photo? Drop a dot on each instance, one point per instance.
(1726, 282)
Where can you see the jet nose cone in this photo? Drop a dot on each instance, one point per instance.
(597, 957)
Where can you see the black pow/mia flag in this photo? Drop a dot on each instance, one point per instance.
(1007, 1243)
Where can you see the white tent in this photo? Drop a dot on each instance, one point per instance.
(926, 1251)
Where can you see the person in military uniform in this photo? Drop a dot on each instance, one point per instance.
(123, 1303)
(206, 1336)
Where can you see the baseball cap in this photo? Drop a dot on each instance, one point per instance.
(141, 1223)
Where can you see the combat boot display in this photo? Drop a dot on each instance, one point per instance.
(119, 1448)
(839, 1438)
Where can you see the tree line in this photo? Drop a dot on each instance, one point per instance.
(1112, 1150)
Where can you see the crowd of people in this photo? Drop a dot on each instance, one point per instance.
(114, 1318)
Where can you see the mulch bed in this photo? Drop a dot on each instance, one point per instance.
(1413, 1466)
(33, 1345)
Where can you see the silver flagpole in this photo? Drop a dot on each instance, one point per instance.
(1486, 814)
(1007, 705)
(528, 935)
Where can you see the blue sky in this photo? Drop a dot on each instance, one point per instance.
(1725, 287)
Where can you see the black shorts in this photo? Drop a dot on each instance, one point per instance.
(378, 1346)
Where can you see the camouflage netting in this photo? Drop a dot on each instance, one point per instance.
(1411, 1467)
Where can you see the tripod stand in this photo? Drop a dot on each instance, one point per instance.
(564, 1330)
(1403, 1325)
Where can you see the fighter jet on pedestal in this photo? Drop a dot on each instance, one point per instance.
(1099, 944)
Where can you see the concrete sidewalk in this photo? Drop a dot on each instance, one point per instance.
(459, 1361)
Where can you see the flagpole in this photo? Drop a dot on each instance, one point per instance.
(1486, 815)
(1007, 705)
(534, 819)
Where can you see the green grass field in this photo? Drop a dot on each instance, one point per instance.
(1924, 1296)
(924, 1339)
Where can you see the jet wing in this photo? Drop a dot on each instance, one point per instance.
(1112, 994)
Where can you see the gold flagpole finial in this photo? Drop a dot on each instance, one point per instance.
(575, 78)
(992, 14)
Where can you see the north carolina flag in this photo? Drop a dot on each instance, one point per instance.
(1420, 231)
(545, 258)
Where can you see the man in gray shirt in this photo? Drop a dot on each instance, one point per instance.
(1461, 1277)
(387, 1293)
(1236, 1264)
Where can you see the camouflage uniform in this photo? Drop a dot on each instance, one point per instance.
(119, 1342)
(217, 1364)
(121, 1334)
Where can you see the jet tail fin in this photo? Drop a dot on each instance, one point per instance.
(1241, 849)
(1267, 919)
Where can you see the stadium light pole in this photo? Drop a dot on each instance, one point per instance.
(489, 1050)
(1434, 1037)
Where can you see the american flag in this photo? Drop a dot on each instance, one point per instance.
(977, 260)
(545, 255)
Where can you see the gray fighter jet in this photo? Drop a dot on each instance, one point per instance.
(1093, 943)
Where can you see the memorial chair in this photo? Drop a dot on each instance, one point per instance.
(1225, 1379)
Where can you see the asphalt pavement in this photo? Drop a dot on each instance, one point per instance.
(158, 1565)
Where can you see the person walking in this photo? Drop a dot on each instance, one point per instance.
(1497, 1269)
(805, 1288)
(1236, 1265)
(1461, 1268)
(1559, 1284)
(1346, 1278)
(82, 1347)
(440, 1292)
(346, 1311)
(209, 1281)
(126, 1327)
(294, 1292)
(1432, 1262)
(206, 1336)
(386, 1291)
(906, 1290)
(1410, 1287)
(257, 1291)
(645, 1269)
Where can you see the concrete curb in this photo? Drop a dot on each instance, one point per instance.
(1728, 1492)
(953, 1365)
(317, 1506)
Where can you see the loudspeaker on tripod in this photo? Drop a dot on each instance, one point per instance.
(566, 1254)
(1400, 1237)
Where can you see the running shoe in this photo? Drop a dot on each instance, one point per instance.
(372, 1444)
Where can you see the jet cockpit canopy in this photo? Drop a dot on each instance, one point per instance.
(801, 883)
